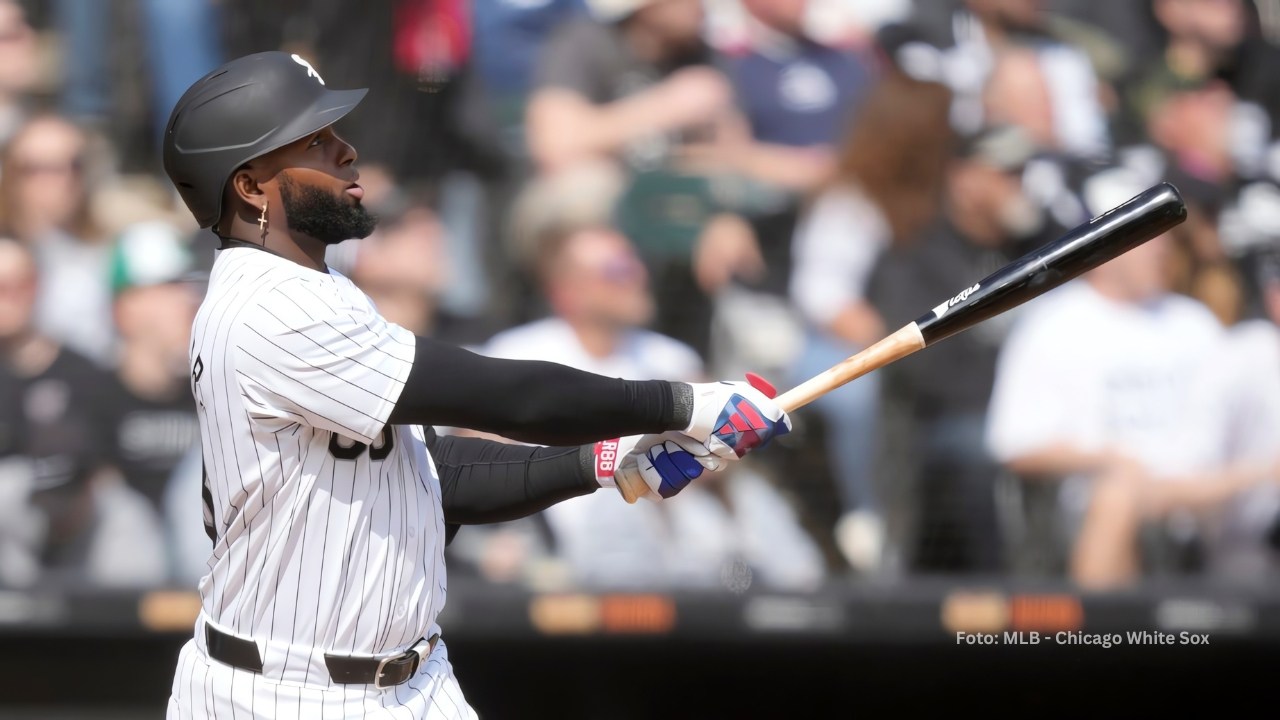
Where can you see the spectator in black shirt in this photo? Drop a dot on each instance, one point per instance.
(18, 528)
(152, 416)
(58, 399)
(944, 393)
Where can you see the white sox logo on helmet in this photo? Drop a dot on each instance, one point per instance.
(311, 72)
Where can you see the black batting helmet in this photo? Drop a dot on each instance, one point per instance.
(241, 111)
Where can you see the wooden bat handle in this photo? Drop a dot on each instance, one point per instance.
(894, 347)
(631, 490)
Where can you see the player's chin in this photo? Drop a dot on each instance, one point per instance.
(361, 227)
(365, 224)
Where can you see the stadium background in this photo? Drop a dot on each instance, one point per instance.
(829, 578)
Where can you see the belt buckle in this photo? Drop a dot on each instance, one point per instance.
(382, 665)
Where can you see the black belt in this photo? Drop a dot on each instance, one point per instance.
(381, 673)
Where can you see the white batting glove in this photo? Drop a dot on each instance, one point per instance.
(729, 419)
(733, 418)
(667, 463)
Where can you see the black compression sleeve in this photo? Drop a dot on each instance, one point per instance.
(484, 481)
(535, 402)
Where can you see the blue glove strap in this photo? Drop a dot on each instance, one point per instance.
(676, 468)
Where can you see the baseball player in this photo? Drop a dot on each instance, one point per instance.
(328, 497)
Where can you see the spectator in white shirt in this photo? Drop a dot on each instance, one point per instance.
(598, 292)
(1095, 386)
(1236, 423)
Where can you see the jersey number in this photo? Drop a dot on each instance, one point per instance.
(379, 451)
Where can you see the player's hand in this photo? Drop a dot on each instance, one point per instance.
(733, 418)
(666, 463)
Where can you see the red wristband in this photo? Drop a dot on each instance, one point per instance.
(606, 461)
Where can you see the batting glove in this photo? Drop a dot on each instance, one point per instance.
(666, 463)
(733, 418)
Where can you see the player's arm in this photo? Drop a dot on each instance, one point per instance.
(486, 481)
(351, 373)
(533, 401)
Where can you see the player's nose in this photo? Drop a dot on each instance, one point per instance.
(347, 154)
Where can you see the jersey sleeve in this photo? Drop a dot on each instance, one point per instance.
(322, 359)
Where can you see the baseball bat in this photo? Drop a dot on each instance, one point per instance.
(1115, 232)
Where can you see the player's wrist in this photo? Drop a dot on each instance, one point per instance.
(600, 461)
(587, 465)
(707, 402)
(682, 402)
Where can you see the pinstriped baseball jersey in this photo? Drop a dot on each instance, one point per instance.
(327, 527)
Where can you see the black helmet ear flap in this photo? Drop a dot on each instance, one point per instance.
(243, 110)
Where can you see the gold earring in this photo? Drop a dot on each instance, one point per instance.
(262, 220)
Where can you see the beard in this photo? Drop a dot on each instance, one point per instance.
(320, 214)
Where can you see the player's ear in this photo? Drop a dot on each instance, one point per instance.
(243, 197)
(245, 186)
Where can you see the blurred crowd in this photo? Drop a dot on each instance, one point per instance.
(692, 189)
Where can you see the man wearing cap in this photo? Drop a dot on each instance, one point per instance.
(328, 496)
(151, 417)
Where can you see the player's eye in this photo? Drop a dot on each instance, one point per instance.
(315, 141)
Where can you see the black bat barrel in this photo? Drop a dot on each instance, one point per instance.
(1103, 238)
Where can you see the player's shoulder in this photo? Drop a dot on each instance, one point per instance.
(307, 297)
(245, 274)
(234, 263)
